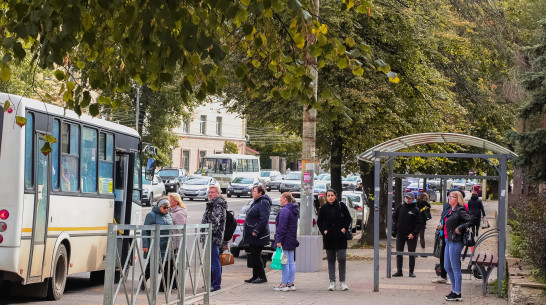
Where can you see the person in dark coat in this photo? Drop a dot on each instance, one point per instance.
(424, 209)
(333, 221)
(456, 222)
(406, 224)
(158, 215)
(286, 237)
(475, 208)
(256, 232)
(215, 214)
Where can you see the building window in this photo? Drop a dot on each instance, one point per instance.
(186, 125)
(219, 125)
(203, 125)
(185, 160)
(202, 154)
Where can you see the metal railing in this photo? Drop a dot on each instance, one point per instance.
(168, 271)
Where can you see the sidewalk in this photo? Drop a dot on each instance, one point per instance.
(312, 287)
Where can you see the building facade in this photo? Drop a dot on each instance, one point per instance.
(205, 133)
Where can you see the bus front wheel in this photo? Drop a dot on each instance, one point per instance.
(57, 282)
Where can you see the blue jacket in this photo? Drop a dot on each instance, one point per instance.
(287, 226)
(156, 217)
(257, 221)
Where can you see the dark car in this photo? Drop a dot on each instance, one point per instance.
(319, 190)
(242, 186)
(173, 178)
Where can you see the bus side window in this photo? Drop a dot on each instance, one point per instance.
(55, 155)
(89, 160)
(29, 156)
(106, 163)
(70, 159)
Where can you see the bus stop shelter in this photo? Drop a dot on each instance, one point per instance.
(384, 154)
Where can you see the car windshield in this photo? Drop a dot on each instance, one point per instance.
(353, 178)
(459, 181)
(293, 176)
(168, 173)
(243, 180)
(197, 182)
(355, 199)
(321, 187)
(327, 178)
(265, 174)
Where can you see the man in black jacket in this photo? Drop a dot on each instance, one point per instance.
(406, 224)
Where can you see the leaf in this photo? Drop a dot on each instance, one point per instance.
(393, 77)
(102, 100)
(256, 63)
(358, 71)
(80, 64)
(94, 109)
(49, 138)
(245, 2)
(6, 105)
(350, 41)
(342, 62)
(20, 120)
(86, 21)
(5, 73)
(247, 29)
(46, 149)
(70, 85)
(294, 5)
(86, 99)
(59, 75)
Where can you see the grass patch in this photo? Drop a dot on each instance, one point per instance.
(436, 203)
(357, 245)
(493, 287)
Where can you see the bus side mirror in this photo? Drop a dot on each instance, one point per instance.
(149, 172)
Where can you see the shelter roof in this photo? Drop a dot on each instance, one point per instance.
(408, 141)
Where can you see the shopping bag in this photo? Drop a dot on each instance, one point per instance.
(226, 259)
(438, 244)
(276, 261)
(284, 258)
(485, 223)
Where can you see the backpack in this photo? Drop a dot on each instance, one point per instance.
(231, 225)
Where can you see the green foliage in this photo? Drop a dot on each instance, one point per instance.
(230, 148)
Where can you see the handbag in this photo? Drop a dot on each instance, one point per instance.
(468, 238)
(348, 235)
(226, 259)
(485, 223)
(438, 244)
(284, 258)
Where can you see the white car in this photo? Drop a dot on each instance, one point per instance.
(152, 190)
(352, 210)
(360, 203)
(268, 175)
(197, 187)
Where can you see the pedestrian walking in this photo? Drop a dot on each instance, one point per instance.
(215, 214)
(286, 238)
(333, 222)
(158, 215)
(456, 222)
(424, 210)
(475, 208)
(256, 232)
(406, 224)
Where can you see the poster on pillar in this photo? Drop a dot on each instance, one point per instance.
(307, 177)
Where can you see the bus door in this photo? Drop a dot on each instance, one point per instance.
(124, 192)
(41, 203)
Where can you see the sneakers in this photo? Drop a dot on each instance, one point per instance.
(439, 281)
(448, 282)
(281, 287)
(343, 286)
(411, 274)
(332, 286)
(290, 287)
(452, 296)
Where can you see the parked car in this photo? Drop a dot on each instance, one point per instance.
(459, 184)
(152, 189)
(267, 175)
(417, 189)
(352, 210)
(360, 203)
(290, 181)
(351, 182)
(237, 244)
(242, 186)
(319, 190)
(197, 187)
(275, 184)
(172, 177)
(469, 185)
(321, 176)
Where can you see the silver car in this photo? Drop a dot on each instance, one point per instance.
(152, 189)
(197, 187)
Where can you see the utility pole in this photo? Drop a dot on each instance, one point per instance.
(311, 245)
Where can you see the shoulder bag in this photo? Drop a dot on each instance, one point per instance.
(438, 244)
(226, 259)
(468, 238)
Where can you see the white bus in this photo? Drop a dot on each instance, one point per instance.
(225, 167)
(55, 208)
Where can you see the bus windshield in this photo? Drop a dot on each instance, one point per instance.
(218, 166)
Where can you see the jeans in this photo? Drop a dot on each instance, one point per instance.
(452, 263)
(257, 263)
(215, 267)
(341, 259)
(412, 244)
(289, 270)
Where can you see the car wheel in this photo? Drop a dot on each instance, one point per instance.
(269, 189)
(235, 252)
(229, 195)
(56, 284)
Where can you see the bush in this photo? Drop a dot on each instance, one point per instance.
(527, 217)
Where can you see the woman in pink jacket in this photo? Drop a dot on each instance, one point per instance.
(179, 214)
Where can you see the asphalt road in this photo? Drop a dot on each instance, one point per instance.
(79, 290)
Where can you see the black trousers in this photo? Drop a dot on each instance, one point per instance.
(443, 272)
(256, 260)
(400, 243)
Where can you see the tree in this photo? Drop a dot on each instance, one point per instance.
(230, 148)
